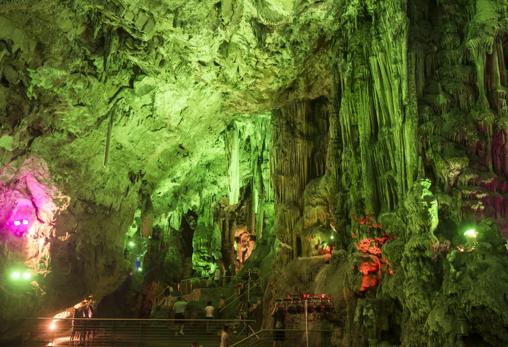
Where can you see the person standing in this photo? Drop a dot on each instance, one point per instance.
(209, 314)
(217, 277)
(279, 325)
(83, 328)
(76, 324)
(90, 313)
(179, 307)
(222, 306)
(224, 337)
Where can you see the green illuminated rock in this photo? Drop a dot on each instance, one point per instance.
(174, 123)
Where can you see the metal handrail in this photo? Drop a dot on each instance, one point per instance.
(237, 297)
(133, 332)
(261, 335)
(185, 280)
(256, 334)
(146, 319)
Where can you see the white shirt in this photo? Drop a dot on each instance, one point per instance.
(209, 311)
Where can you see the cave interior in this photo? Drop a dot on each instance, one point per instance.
(354, 148)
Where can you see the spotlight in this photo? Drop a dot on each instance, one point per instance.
(27, 276)
(131, 244)
(332, 237)
(52, 325)
(17, 223)
(25, 222)
(15, 275)
(471, 233)
(140, 269)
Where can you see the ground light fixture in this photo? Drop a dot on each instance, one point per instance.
(332, 237)
(20, 276)
(131, 244)
(138, 266)
(52, 325)
(15, 275)
(471, 233)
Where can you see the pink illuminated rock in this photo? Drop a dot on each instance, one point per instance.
(29, 201)
(20, 217)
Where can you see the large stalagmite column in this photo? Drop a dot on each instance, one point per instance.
(378, 112)
(300, 133)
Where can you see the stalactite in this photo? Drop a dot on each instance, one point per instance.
(501, 60)
(479, 54)
(234, 166)
(147, 213)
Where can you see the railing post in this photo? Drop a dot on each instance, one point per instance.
(140, 335)
(113, 333)
(306, 323)
(248, 289)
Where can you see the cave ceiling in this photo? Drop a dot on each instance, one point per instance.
(160, 79)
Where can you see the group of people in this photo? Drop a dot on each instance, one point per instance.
(179, 308)
(84, 332)
(81, 330)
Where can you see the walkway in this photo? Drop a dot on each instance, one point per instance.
(134, 332)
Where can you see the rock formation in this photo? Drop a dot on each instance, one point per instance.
(159, 139)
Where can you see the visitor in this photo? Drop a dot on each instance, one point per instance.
(224, 337)
(257, 313)
(168, 291)
(222, 306)
(179, 307)
(209, 314)
(89, 313)
(279, 324)
(229, 273)
(76, 324)
(82, 330)
(217, 277)
(240, 289)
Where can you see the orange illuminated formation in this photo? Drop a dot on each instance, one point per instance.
(373, 264)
